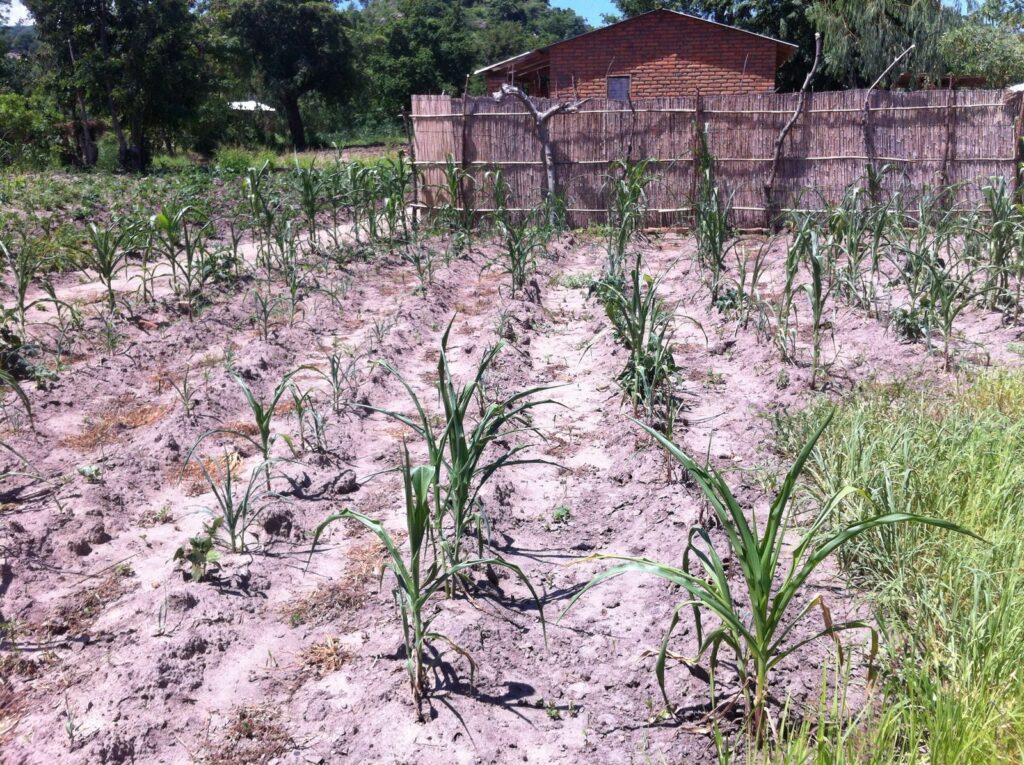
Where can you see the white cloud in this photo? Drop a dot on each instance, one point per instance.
(19, 14)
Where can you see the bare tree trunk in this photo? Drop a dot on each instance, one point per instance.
(540, 121)
(295, 126)
(88, 153)
(124, 154)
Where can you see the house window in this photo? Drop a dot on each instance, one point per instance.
(618, 88)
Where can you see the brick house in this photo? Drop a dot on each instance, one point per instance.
(658, 53)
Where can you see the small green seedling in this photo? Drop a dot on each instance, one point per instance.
(199, 553)
(561, 514)
(91, 473)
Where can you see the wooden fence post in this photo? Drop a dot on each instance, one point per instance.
(949, 149)
(411, 140)
(464, 160)
(698, 128)
(869, 134)
(1018, 147)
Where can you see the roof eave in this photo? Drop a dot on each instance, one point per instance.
(512, 60)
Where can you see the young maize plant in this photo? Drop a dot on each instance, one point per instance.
(457, 215)
(236, 514)
(262, 212)
(643, 324)
(456, 452)
(627, 208)
(336, 194)
(921, 241)
(312, 186)
(180, 236)
(848, 224)
(758, 628)
(818, 292)
(263, 415)
(1002, 236)
(783, 332)
(749, 272)
(952, 288)
(106, 254)
(26, 266)
(394, 178)
(520, 242)
(501, 192)
(711, 221)
(343, 374)
(423, 574)
(7, 380)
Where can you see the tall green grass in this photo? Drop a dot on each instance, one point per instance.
(951, 610)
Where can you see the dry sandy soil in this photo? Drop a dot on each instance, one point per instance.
(112, 656)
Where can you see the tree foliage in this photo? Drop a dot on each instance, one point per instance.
(862, 37)
(989, 45)
(297, 47)
(137, 62)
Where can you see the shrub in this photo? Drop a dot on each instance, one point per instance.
(29, 132)
(237, 161)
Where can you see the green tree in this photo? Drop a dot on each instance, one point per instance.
(988, 45)
(860, 38)
(503, 28)
(297, 47)
(412, 46)
(138, 62)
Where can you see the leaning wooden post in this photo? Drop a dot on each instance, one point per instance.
(540, 121)
(464, 163)
(950, 147)
(410, 140)
(698, 129)
(869, 135)
(769, 186)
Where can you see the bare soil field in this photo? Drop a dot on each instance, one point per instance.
(292, 652)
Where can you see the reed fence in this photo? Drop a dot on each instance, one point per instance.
(927, 138)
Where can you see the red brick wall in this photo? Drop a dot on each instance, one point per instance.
(666, 55)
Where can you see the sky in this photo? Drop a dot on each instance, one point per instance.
(19, 14)
(589, 9)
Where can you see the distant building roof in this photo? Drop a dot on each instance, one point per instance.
(250, 106)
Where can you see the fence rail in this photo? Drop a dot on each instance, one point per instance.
(944, 137)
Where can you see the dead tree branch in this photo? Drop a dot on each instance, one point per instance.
(781, 139)
(869, 136)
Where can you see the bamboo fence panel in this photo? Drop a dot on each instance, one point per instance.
(921, 138)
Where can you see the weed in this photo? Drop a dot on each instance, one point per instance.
(200, 553)
(561, 514)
